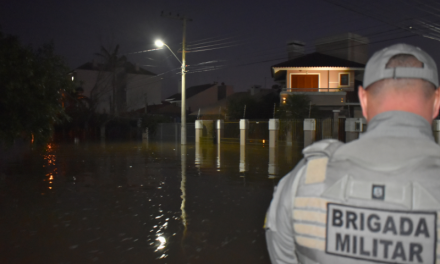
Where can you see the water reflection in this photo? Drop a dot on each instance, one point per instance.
(244, 165)
(198, 156)
(204, 155)
(162, 242)
(219, 156)
(50, 164)
(183, 155)
(273, 163)
(127, 200)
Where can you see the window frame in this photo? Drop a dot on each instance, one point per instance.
(340, 81)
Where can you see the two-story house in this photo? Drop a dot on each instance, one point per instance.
(330, 81)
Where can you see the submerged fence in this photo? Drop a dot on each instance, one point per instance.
(172, 131)
(257, 131)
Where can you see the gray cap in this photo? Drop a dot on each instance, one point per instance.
(376, 70)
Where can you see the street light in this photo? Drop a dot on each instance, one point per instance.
(160, 43)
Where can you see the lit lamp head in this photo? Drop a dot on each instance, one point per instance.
(159, 43)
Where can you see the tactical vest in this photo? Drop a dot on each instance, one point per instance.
(347, 212)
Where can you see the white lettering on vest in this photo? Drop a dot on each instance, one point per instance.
(381, 235)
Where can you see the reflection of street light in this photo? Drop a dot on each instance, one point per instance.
(160, 43)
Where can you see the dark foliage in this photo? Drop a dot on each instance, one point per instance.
(257, 107)
(297, 106)
(32, 84)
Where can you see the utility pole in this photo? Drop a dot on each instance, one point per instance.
(183, 95)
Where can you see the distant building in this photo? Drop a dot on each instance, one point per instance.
(347, 46)
(200, 96)
(135, 87)
(219, 109)
(329, 76)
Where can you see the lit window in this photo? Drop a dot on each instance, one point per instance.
(344, 79)
(73, 78)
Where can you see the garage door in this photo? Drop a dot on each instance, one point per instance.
(304, 81)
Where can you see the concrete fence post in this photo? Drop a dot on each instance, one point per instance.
(289, 134)
(220, 129)
(145, 135)
(309, 131)
(199, 155)
(199, 130)
(436, 130)
(273, 163)
(353, 126)
(274, 129)
(244, 131)
(244, 165)
(335, 133)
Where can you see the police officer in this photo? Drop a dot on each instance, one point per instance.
(374, 199)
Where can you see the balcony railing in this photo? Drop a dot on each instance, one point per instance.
(318, 90)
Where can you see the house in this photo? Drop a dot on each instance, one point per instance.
(329, 76)
(219, 110)
(201, 96)
(129, 88)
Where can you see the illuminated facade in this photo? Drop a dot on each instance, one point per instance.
(329, 81)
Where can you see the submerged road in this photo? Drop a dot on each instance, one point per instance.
(134, 202)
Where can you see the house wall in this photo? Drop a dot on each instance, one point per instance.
(334, 79)
(98, 83)
(141, 88)
(202, 99)
(324, 75)
(322, 98)
(331, 98)
(346, 46)
(229, 90)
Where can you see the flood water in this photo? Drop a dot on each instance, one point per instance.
(139, 202)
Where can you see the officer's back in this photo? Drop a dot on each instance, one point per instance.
(375, 199)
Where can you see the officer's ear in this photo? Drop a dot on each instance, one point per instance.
(362, 94)
(436, 105)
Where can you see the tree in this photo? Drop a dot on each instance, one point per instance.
(32, 83)
(257, 107)
(297, 106)
(236, 107)
(113, 62)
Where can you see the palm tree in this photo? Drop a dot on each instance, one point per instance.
(112, 61)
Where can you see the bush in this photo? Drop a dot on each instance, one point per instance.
(32, 83)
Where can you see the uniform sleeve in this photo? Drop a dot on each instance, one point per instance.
(279, 229)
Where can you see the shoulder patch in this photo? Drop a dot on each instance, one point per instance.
(322, 148)
(316, 170)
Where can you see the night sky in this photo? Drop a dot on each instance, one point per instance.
(234, 42)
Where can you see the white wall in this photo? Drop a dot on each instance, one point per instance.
(141, 87)
(138, 87)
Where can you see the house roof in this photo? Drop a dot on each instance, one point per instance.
(223, 103)
(129, 68)
(165, 108)
(318, 60)
(191, 91)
